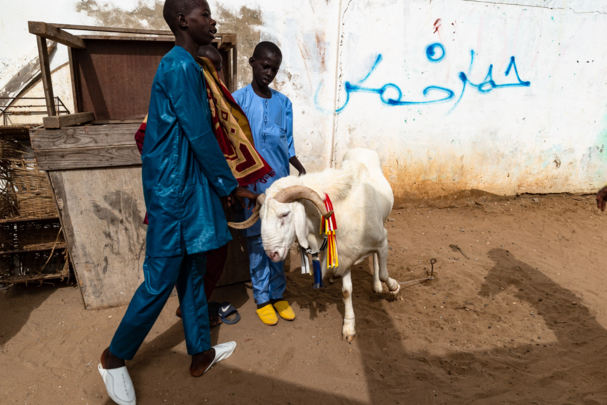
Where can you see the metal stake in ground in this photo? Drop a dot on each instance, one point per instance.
(423, 280)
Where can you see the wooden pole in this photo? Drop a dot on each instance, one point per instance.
(234, 66)
(45, 68)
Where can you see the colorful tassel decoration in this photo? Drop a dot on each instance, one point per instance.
(328, 227)
(317, 273)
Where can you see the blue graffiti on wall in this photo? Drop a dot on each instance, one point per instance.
(358, 88)
(489, 84)
(435, 53)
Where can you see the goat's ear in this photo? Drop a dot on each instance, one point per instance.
(301, 225)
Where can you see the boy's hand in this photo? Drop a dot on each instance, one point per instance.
(240, 193)
(601, 198)
(297, 165)
(227, 201)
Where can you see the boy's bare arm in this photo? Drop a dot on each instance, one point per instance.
(297, 164)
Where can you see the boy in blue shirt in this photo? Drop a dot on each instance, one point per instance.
(270, 116)
(185, 180)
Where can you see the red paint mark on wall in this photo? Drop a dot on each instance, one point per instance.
(436, 25)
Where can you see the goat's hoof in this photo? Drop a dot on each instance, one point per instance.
(395, 291)
(393, 286)
(377, 288)
(348, 332)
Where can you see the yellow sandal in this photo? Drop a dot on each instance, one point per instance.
(267, 315)
(284, 310)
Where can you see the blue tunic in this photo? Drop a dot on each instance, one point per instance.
(184, 171)
(271, 121)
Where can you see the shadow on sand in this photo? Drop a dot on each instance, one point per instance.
(570, 370)
(14, 313)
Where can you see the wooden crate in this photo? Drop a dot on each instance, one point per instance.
(32, 245)
(34, 267)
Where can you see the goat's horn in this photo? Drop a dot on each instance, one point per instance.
(253, 218)
(292, 193)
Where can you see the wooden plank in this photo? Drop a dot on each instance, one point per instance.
(235, 66)
(41, 247)
(102, 215)
(75, 86)
(56, 181)
(47, 83)
(106, 122)
(228, 41)
(128, 38)
(226, 70)
(228, 37)
(86, 136)
(22, 219)
(49, 31)
(67, 120)
(221, 45)
(79, 158)
(32, 279)
(113, 29)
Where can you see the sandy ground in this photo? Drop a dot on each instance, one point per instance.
(516, 315)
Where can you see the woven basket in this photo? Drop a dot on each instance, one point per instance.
(32, 190)
(25, 191)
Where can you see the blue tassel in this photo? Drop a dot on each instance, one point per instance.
(317, 274)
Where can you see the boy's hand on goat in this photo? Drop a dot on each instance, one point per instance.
(241, 193)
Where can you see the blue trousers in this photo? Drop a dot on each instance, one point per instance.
(268, 278)
(161, 275)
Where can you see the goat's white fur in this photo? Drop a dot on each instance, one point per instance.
(362, 200)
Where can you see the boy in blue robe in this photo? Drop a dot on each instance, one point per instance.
(270, 116)
(185, 180)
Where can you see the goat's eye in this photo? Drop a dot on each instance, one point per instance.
(286, 214)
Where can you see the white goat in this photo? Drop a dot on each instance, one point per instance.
(362, 200)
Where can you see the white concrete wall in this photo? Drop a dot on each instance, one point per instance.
(546, 132)
(547, 136)
(62, 88)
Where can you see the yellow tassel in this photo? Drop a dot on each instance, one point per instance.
(335, 247)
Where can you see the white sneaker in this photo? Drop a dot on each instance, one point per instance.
(118, 385)
(222, 352)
